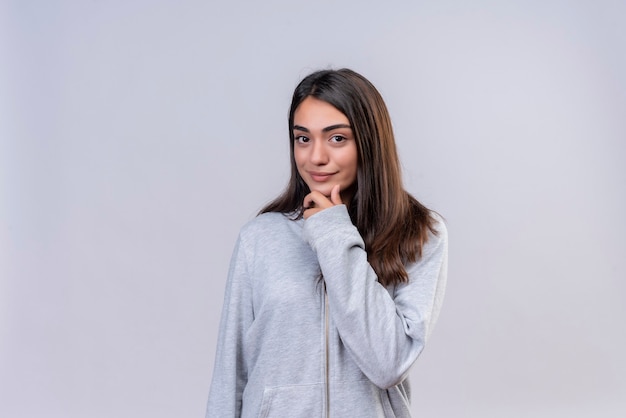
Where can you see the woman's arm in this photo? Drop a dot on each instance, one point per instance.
(229, 371)
(384, 333)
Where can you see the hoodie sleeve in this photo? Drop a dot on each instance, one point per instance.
(230, 373)
(383, 331)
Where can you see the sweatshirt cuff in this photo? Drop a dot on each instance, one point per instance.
(331, 227)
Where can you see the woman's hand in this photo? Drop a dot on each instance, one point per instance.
(315, 201)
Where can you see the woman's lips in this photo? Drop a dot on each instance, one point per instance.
(320, 177)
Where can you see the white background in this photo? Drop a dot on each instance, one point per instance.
(137, 137)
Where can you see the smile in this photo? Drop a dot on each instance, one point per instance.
(320, 177)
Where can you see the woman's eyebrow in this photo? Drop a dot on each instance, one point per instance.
(326, 129)
(337, 126)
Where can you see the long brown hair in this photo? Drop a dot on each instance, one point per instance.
(393, 224)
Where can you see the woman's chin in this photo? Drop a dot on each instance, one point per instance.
(323, 189)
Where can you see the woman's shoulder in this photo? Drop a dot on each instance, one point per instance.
(438, 234)
(269, 223)
(439, 223)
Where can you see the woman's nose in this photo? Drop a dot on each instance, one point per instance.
(319, 154)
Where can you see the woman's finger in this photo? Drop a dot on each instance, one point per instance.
(335, 195)
(316, 199)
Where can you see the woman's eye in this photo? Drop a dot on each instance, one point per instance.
(302, 139)
(337, 138)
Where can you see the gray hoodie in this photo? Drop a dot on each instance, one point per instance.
(306, 329)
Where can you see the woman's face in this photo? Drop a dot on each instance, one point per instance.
(324, 147)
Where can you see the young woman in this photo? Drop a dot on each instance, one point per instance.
(334, 288)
